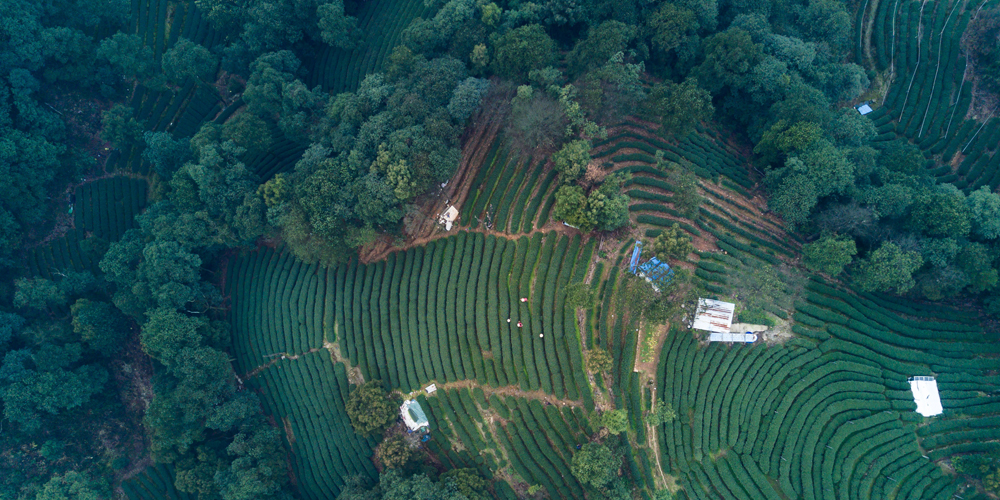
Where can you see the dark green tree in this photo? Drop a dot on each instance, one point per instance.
(73, 486)
(729, 58)
(595, 465)
(119, 127)
(680, 107)
(38, 294)
(668, 26)
(249, 132)
(571, 160)
(258, 469)
(127, 53)
(602, 42)
(394, 452)
(903, 157)
(829, 254)
(194, 472)
(976, 261)
(167, 332)
(672, 243)
(467, 481)
(794, 198)
(521, 50)
(46, 381)
(984, 212)
(165, 153)
(467, 97)
(100, 325)
(941, 211)
(188, 60)
(370, 408)
(337, 28)
(888, 268)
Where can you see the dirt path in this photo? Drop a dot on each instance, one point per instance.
(384, 252)
(278, 356)
(476, 144)
(510, 390)
(507, 390)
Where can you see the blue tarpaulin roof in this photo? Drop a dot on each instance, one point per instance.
(636, 252)
(656, 270)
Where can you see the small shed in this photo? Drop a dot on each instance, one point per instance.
(413, 415)
(714, 316)
(864, 108)
(748, 337)
(925, 394)
(448, 217)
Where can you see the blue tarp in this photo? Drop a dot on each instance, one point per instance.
(636, 252)
(657, 271)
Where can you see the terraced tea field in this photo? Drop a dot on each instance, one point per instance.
(930, 96)
(432, 314)
(827, 413)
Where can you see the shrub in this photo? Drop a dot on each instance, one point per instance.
(615, 420)
(662, 413)
(755, 316)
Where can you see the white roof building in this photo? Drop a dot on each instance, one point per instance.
(448, 217)
(864, 109)
(925, 394)
(413, 415)
(714, 316)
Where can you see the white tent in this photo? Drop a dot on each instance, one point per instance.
(925, 394)
(714, 316)
(448, 217)
(732, 337)
(413, 415)
(864, 109)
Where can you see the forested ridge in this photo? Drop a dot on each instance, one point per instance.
(222, 267)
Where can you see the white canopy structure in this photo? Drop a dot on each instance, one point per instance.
(732, 337)
(714, 316)
(448, 217)
(925, 394)
(413, 415)
(864, 109)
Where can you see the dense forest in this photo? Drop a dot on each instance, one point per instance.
(146, 144)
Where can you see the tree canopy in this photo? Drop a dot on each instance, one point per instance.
(370, 408)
